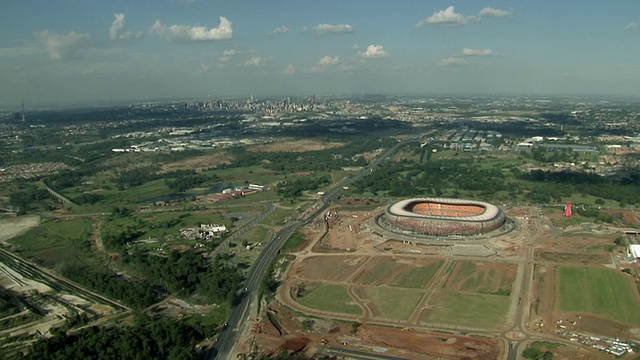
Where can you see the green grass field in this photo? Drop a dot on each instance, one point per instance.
(393, 303)
(61, 242)
(470, 310)
(598, 291)
(378, 274)
(331, 298)
(418, 278)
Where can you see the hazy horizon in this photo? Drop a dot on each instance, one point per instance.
(68, 53)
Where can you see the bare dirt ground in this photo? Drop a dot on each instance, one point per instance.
(297, 333)
(198, 163)
(14, 226)
(295, 146)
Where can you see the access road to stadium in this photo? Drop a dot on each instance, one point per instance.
(223, 348)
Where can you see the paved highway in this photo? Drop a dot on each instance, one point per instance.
(223, 347)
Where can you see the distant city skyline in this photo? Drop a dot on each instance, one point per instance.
(71, 52)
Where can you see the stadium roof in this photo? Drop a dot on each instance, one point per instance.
(490, 211)
(634, 250)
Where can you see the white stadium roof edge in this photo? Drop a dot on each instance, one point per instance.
(490, 211)
(634, 249)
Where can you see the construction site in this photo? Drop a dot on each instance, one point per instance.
(356, 286)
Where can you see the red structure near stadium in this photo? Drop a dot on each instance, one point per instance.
(567, 210)
(443, 216)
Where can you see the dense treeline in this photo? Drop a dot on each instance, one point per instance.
(9, 303)
(187, 181)
(146, 339)
(137, 176)
(189, 273)
(292, 189)
(28, 197)
(405, 178)
(119, 239)
(136, 294)
(88, 199)
(559, 185)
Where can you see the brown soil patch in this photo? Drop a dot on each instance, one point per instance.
(295, 344)
(295, 146)
(628, 218)
(585, 259)
(403, 343)
(434, 344)
(593, 324)
(198, 163)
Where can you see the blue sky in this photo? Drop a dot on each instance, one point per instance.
(72, 52)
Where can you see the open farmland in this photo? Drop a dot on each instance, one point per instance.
(598, 291)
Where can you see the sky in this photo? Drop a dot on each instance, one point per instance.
(74, 52)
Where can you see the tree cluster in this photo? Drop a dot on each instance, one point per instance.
(188, 181)
(559, 185)
(293, 189)
(405, 178)
(136, 294)
(27, 198)
(188, 273)
(146, 339)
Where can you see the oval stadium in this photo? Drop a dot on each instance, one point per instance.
(443, 216)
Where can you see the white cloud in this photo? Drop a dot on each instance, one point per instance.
(453, 61)
(279, 30)
(491, 12)
(61, 47)
(450, 18)
(632, 26)
(328, 60)
(230, 52)
(289, 69)
(324, 29)
(254, 61)
(115, 31)
(227, 55)
(374, 51)
(477, 52)
(186, 33)
(447, 17)
(324, 63)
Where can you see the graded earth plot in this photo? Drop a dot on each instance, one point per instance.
(329, 268)
(327, 298)
(482, 278)
(389, 302)
(400, 272)
(479, 311)
(476, 295)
